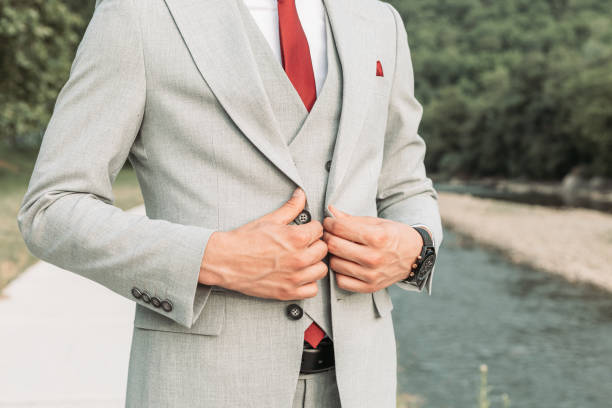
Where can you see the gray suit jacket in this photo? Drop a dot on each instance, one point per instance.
(172, 87)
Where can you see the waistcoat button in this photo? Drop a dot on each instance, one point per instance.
(328, 165)
(303, 217)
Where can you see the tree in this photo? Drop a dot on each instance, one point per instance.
(517, 88)
(38, 39)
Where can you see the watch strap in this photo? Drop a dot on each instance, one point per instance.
(427, 246)
(427, 240)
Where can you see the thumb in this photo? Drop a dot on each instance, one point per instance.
(336, 212)
(288, 211)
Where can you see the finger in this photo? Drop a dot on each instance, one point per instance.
(367, 219)
(349, 250)
(360, 218)
(311, 255)
(351, 284)
(308, 290)
(313, 230)
(348, 228)
(336, 212)
(350, 268)
(318, 250)
(288, 211)
(312, 273)
(303, 258)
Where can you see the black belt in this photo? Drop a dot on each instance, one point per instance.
(316, 360)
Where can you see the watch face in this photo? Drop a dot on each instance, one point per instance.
(427, 266)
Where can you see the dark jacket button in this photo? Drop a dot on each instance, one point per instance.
(136, 293)
(155, 301)
(294, 311)
(145, 297)
(303, 217)
(166, 305)
(328, 165)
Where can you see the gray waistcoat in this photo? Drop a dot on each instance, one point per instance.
(310, 136)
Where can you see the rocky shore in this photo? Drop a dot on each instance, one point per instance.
(575, 190)
(573, 243)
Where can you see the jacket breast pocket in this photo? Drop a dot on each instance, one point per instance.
(209, 323)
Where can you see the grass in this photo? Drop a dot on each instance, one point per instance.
(15, 171)
(483, 395)
(416, 401)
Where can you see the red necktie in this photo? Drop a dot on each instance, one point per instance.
(295, 52)
(296, 60)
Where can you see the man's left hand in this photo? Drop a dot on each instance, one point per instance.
(369, 253)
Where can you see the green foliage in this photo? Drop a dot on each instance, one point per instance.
(38, 39)
(516, 88)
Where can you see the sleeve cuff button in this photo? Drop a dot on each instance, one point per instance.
(166, 305)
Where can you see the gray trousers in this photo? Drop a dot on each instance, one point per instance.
(317, 390)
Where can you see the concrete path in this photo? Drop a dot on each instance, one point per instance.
(64, 341)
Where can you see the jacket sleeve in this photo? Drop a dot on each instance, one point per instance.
(67, 216)
(405, 193)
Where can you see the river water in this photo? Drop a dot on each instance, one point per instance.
(547, 342)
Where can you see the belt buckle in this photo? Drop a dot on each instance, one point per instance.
(316, 360)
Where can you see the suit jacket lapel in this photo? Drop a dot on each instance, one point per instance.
(215, 36)
(353, 42)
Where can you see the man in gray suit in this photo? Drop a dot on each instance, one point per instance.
(277, 151)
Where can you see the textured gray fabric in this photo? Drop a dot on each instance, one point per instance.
(310, 136)
(174, 87)
(317, 390)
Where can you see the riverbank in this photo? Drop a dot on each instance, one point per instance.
(573, 191)
(573, 243)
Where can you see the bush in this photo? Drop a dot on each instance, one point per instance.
(518, 88)
(38, 39)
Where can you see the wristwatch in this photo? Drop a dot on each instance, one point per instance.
(424, 264)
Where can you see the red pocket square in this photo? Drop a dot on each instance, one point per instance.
(379, 71)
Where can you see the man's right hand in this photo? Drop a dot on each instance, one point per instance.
(267, 257)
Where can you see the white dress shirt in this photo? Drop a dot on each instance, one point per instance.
(312, 18)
